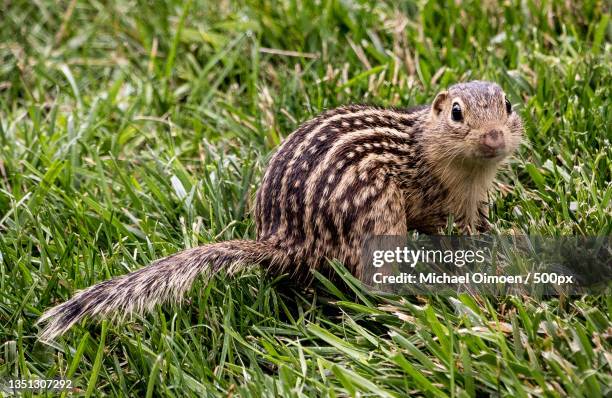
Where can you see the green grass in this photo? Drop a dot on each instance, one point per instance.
(132, 130)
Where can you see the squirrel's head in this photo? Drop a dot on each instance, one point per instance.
(474, 123)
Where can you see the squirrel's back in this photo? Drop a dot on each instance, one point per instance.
(321, 184)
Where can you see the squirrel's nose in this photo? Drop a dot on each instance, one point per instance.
(492, 141)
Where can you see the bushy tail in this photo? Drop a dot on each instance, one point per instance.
(162, 281)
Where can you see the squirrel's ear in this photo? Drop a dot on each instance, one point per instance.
(438, 103)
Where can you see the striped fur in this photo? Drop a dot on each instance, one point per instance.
(340, 178)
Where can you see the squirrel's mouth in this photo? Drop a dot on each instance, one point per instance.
(491, 156)
(491, 153)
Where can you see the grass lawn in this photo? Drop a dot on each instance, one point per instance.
(131, 130)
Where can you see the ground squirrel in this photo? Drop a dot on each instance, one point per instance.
(347, 175)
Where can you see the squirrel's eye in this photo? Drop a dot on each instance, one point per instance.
(456, 114)
(508, 106)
